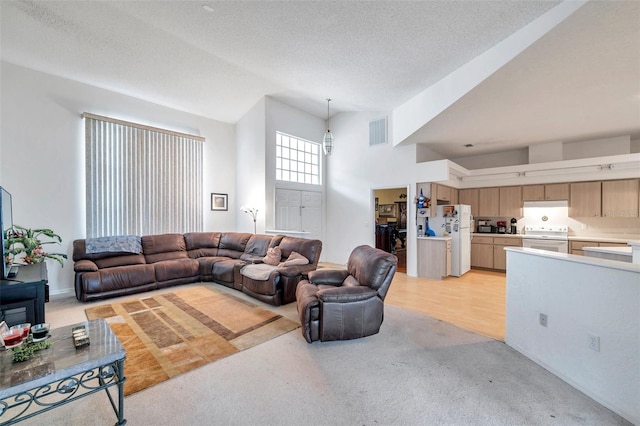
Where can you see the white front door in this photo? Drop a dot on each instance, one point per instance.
(288, 209)
(311, 214)
(299, 211)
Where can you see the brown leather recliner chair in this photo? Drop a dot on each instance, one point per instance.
(346, 304)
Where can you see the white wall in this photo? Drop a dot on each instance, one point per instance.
(286, 119)
(256, 139)
(355, 169)
(42, 145)
(251, 168)
(581, 297)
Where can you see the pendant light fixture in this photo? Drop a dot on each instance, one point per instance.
(327, 140)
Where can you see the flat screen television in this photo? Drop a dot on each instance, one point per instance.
(6, 222)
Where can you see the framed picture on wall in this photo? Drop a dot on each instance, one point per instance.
(388, 210)
(219, 202)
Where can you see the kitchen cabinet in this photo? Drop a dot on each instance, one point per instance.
(434, 258)
(482, 252)
(440, 192)
(585, 199)
(549, 192)
(444, 193)
(470, 197)
(556, 191)
(620, 198)
(499, 254)
(533, 193)
(510, 201)
(489, 202)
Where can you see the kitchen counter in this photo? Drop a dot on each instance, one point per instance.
(443, 238)
(495, 234)
(622, 254)
(613, 238)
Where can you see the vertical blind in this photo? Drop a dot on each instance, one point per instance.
(141, 180)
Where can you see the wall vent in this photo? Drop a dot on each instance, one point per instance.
(378, 131)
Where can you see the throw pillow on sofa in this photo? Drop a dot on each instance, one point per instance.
(294, 259)
(274, 254)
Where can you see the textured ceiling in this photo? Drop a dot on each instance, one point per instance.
(366, 56)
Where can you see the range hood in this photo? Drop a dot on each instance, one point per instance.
(546, 204)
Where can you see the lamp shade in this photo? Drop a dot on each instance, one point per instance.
(327, 142)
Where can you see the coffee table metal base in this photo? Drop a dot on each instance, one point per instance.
(36, 401)
(61, 374)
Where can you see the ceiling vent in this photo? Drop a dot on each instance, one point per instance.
(378, 132)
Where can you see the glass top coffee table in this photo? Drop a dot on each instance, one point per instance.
(62, 374)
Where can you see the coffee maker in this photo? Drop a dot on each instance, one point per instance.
(514, 226)
(502, 227)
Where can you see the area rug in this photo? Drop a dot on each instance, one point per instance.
(169, 334)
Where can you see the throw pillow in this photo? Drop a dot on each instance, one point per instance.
(295, 259)
(274, 254)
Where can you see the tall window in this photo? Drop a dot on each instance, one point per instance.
(141, 180)
(297, 160)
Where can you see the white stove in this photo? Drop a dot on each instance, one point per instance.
(546, 237)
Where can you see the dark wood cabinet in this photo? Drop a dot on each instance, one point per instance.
(22, 298)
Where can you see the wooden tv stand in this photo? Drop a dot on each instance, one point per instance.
(22, 298)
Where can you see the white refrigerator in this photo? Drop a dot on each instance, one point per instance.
(455, 221)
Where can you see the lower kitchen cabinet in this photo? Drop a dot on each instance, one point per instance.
(499, 254)
(482, 252)
(489, 253)
(434, 257)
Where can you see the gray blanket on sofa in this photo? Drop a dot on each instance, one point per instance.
(115, 244)
(258, 271)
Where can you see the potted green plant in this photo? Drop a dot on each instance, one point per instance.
(19, 239)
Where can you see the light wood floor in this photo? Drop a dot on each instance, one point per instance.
(475, 301)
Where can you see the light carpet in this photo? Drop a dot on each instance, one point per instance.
(169, 334)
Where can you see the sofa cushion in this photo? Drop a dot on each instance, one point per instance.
(176, 268)
(123, 260)
(161, 247)
(308, 248)
(201, 244)
(224, 270)
(116, 278)
(258, 245)
(295, 259)
(232, 244)
(273, 257)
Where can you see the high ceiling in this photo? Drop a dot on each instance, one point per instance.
(580, 81)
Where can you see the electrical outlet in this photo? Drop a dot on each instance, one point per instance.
(543, 320)
(594, 342)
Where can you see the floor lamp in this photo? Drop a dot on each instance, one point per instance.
(254, 214)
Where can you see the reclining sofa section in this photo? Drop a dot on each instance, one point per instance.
(172, 259)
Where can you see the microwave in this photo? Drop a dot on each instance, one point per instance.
(487, 229)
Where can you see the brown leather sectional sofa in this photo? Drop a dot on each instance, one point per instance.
(172, 259)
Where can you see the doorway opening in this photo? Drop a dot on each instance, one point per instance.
(391, 223)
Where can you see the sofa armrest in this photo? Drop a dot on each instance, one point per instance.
(346, 294)
(328, 276)
(85, 265)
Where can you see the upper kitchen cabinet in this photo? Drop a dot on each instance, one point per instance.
(470, 197)
(620, 198)
(489, 202)
(556, 191)
(444, 193)
(533, 193)
(510, 201)
(585, 199)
